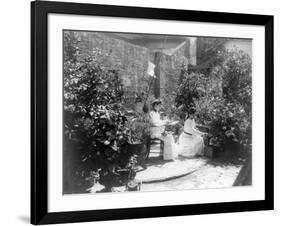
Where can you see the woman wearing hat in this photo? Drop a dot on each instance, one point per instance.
(191, 141)
(157, 125)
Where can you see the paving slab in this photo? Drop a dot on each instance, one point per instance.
(159, 170)
(208, 177)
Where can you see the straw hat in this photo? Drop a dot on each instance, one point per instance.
(156, 101)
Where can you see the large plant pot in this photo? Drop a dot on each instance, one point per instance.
(138, 149)
(231, 149)
(213, 151)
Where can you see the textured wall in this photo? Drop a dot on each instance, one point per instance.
(170, 69)
(132, 61)
(242, 44)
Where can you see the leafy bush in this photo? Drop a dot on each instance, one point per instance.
(207, 54)
(222, 99)
(236, 77)
(229, 112)
(95, 124)
(190, 89)
(139, 128)
(228, 121)
(236, 106)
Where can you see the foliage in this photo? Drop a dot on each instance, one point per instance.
(222, 99)
(139, 128)
(230, 111)
(237, 80)
(207, 54)
(95, 124)
(228, 122)
(169, 108)
(233, 112)
(191, 88)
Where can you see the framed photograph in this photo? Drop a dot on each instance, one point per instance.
(144, 112)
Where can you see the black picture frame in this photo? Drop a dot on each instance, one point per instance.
(39, 112)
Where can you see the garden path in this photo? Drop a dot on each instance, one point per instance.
(184, 173)
(207, 177)
(159, 170)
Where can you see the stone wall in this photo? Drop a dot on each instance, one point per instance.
(171, 66)
(132, 61)
(170, 70)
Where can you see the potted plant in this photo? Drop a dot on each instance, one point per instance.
(139, 133)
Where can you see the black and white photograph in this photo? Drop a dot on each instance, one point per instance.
(154, 112)
(140, 112)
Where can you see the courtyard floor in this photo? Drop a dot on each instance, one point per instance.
(206, 176)
(184, 173)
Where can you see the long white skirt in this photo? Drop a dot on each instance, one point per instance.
(190, 145)
(170, 148)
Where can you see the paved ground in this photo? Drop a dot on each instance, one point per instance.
(208, 176)
(159, 170)
(184, 173)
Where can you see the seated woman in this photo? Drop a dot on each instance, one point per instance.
(191, 141)
(157, 125)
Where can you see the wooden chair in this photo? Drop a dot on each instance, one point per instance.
(210, 150)
(149, 140)
(205, 129)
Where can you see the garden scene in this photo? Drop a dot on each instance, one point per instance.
(149, 112)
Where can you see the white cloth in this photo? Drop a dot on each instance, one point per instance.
(150, 69)
(191, 142)
(157, 126)
(170, 149)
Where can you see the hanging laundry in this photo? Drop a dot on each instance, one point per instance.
(150, 69)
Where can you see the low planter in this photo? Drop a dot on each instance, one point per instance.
(138, 149)
(213, 151)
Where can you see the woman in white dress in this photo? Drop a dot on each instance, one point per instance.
(191, 141)
(157, 126)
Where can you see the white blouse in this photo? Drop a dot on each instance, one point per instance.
(157, 125)
(155, 120)
(190, 127)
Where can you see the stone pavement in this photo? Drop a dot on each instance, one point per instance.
(183, 173)
(207, 177)
(159, 170)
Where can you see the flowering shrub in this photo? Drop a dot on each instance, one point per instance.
(228, 121)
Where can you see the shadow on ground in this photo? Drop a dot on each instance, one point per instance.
(25, 219)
